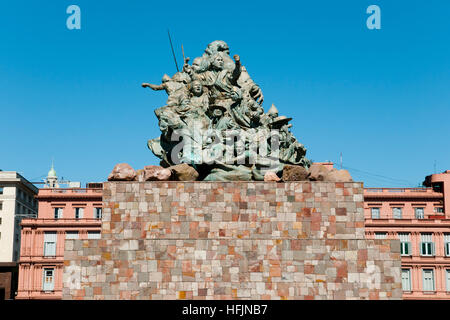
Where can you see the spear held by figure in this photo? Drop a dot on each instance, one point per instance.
(173, 52)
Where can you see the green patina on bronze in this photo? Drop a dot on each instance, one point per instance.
(215, 93)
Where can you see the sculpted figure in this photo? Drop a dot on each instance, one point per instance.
(199, 65)
(219, 47)
(221, 82)
(250, 87)
(193, 109)
(175, 87)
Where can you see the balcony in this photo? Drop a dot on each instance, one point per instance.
(402, 193)
(407, 221)
(42, 222)
(70, 193)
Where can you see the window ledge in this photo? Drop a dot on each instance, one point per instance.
(429, 292)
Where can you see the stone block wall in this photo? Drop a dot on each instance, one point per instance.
(232, 240)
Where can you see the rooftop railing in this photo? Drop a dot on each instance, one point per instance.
(33, 221)
(399, 190)
(49, 191)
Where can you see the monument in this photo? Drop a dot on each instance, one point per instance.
(234, 211)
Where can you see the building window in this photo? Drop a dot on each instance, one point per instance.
(94, 235)
(447, 278)
(428, 279)
(72, 235)
(79, 213)
(50, 243)
(1, 205)
(0, 221)
(447, 244)
(1, 190)
(419, 213)
(375, 213)
(58, 213)
(397, 213)
(48, 283)
(380, 235)
(438, 209)
(98, 213)
(405, 244)
(426, 245)
(406, 279)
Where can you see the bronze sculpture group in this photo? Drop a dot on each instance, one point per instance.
(214, 121)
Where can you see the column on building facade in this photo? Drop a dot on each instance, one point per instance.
(60, 237)
(438, 280)
(58, 277)
(439, 240)
(415, 278)
(415, 243)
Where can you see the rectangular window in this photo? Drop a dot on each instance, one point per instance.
(447, 244)
(406, 279)
(1, 205)
(397, 213)
(428, 279)
(58, 213)
(48, 283)
(419, 213)
(94, 235)
(50, 243)
(0, 221)
(1, 190)
(405, 244)
(438, 209)
(375, 212)
(426, 244)
(447, 278)
(79, 213)
(72, 235)
(380, 235)
(98, 213)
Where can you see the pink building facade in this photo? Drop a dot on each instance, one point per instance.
(420, 218)
(73, 213)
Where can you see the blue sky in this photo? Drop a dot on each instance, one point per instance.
(381, 97)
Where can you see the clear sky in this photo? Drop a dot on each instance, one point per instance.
(379, 97)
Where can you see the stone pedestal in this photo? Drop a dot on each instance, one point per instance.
(232, 240)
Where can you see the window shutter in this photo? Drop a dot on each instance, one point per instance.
(448, 279)
(406, 280)
(432, 249)
(408, 248)
(50, 244)
(422, 248)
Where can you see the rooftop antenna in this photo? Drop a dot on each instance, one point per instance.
(341, 160)
(435, 167)
(173, 52)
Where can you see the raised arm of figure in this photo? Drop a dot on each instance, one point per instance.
(237, 69)
(153, 86)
